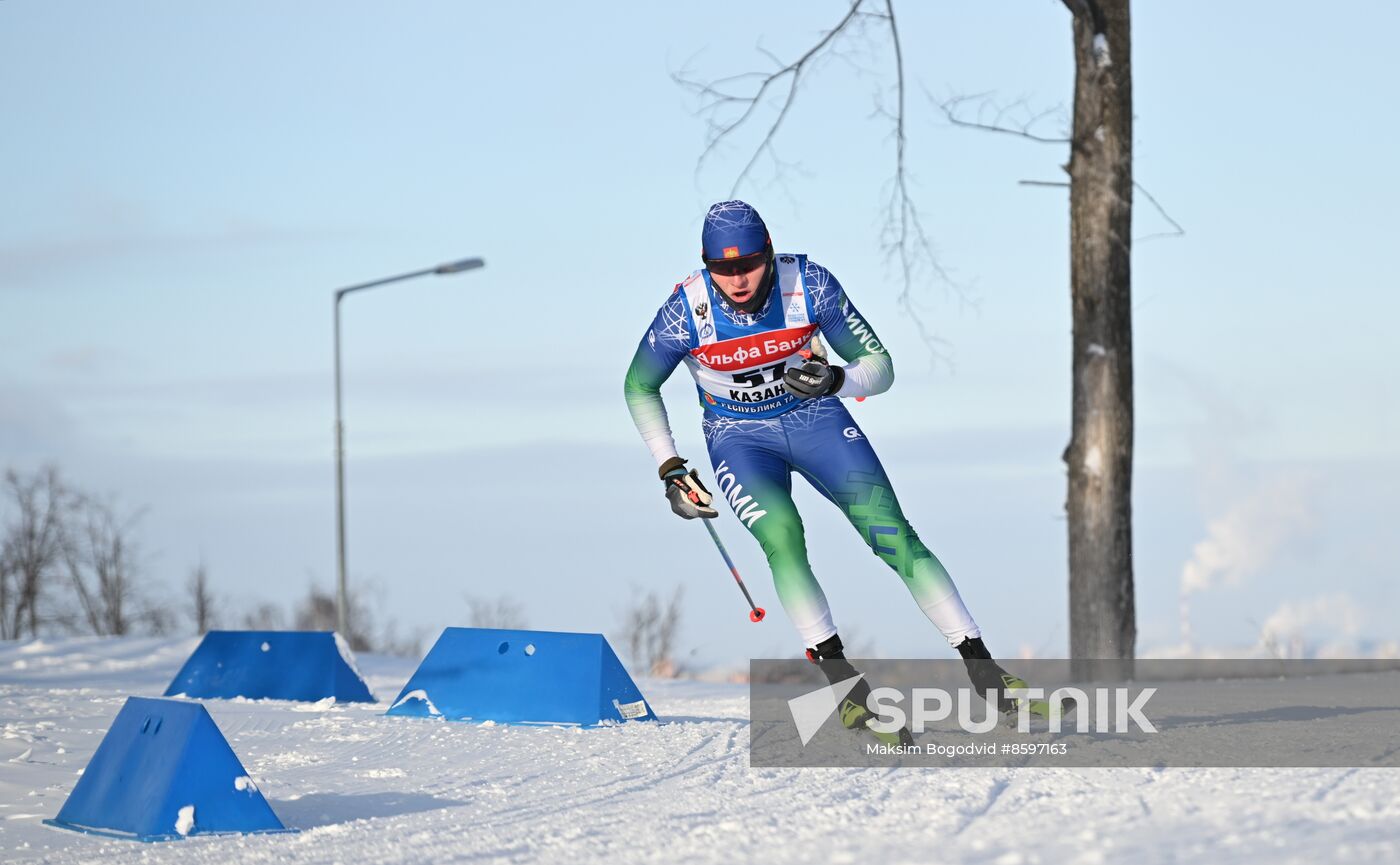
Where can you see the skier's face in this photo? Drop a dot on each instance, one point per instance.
(739, 284)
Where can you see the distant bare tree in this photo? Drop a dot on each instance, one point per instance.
(264, 616)
(102, 561)
(32, 550)
(390, 642)
(649, 629)
(316, 612)
(499, 612)
(201, 600)
(158, 619)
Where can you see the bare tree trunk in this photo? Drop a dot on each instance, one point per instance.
(88, 602)
(201, 599)
(1100, 453)
(117, 587)
(7, 573)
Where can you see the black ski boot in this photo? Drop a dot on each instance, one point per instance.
(987, 675)
(853, 711)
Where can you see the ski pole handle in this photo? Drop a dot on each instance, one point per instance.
(756, 613)
(808, 355)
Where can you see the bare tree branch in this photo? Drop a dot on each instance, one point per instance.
(950, 108)
(904, 235)
(900, 202)
(1178, 232)
(904, 240)
(714, 98)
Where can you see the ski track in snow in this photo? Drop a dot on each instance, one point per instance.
(362, 787)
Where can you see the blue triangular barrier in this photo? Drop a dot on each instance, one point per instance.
(165, 771)
(275, 665)
(522, 677)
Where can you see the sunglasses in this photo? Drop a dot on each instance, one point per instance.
(736, 266)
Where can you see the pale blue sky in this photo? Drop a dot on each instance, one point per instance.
(185, 184)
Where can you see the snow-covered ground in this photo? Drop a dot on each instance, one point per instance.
(366, 788)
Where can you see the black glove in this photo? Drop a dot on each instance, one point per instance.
(688, 497)
(814, 378)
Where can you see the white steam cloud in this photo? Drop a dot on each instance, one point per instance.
(1337, 615)
(1246, 539)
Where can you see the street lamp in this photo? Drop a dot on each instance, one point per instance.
(341, 607)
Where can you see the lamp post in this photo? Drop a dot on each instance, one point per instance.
(341, 605)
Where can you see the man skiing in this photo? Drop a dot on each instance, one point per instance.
(747, 327)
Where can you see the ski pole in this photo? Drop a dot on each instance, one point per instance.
(756, 613)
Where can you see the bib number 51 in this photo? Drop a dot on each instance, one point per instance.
(755, 378)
